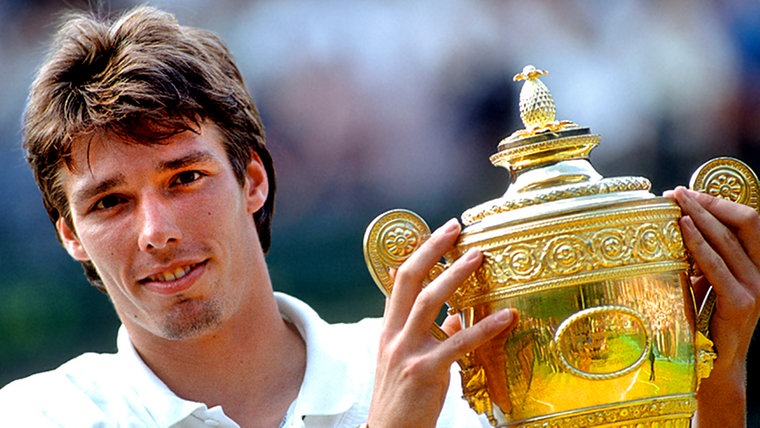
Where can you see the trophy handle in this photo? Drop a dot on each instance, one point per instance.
(731, 179)
(388, 241)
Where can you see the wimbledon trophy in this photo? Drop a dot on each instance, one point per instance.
(608, 331)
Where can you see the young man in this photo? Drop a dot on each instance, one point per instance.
(151, 160)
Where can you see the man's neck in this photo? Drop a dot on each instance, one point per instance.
(253, 367)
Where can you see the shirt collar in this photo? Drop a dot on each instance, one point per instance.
(329, 385)
(165, 407)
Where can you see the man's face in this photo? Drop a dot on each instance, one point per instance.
(168, 228)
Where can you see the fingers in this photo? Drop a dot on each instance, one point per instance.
(411, 363)
(410, 275)
(430, 300)
(451, 324)
(712, 265)
(741, 219)
(468, 339)
(414, 310)
(722, 235)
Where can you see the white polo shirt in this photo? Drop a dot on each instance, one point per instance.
(119, 390)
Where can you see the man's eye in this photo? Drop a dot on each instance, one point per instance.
(187, 177)
(107, 202)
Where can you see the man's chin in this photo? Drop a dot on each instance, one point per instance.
(191, 319)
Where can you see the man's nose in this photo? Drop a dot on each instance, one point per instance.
(158, 227)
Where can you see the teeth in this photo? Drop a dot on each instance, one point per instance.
(171, 276)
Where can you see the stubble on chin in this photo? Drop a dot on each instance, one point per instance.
(190, 319)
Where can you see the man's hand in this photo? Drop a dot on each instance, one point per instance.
(412, 374)
(724, 238)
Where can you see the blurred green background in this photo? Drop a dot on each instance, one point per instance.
(379, 104)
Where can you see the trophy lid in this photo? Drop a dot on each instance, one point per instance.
(548, 162)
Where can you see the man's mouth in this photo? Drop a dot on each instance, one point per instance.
(172, 275)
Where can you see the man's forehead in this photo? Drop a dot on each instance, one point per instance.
(104, 145)
(87, 148)
(106, 161)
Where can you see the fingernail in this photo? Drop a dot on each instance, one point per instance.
(471, 254)
(687, 223)
(683, 195)
(451, 225)
(503, 316)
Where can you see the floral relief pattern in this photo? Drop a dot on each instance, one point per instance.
(566, 254)
(649, 243)
(672, 412)
(588, 249)
(610, 247)
(725, 185)
(523, 262)
(400, 242)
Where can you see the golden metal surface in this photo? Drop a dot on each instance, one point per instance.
(605, 185)
(389, 240)
(638, 414)
(728, 178)
(537, 109)
(596, 267)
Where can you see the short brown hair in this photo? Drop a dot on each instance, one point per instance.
(142, 77)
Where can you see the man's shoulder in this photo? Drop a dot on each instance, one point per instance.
(79, 373)
(74, 394)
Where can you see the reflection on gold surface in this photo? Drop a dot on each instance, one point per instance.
(622, 340)
(603, 342)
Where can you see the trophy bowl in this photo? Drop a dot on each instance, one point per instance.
(608, 331)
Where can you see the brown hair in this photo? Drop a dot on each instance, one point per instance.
(142, 77)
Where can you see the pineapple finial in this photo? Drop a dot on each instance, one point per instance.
(536, 102)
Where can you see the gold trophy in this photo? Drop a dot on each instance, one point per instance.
(609, 334)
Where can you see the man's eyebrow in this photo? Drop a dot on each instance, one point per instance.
(84, 194)
(188, 159)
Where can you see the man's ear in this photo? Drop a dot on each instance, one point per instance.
(256, 183)
(70, 240)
